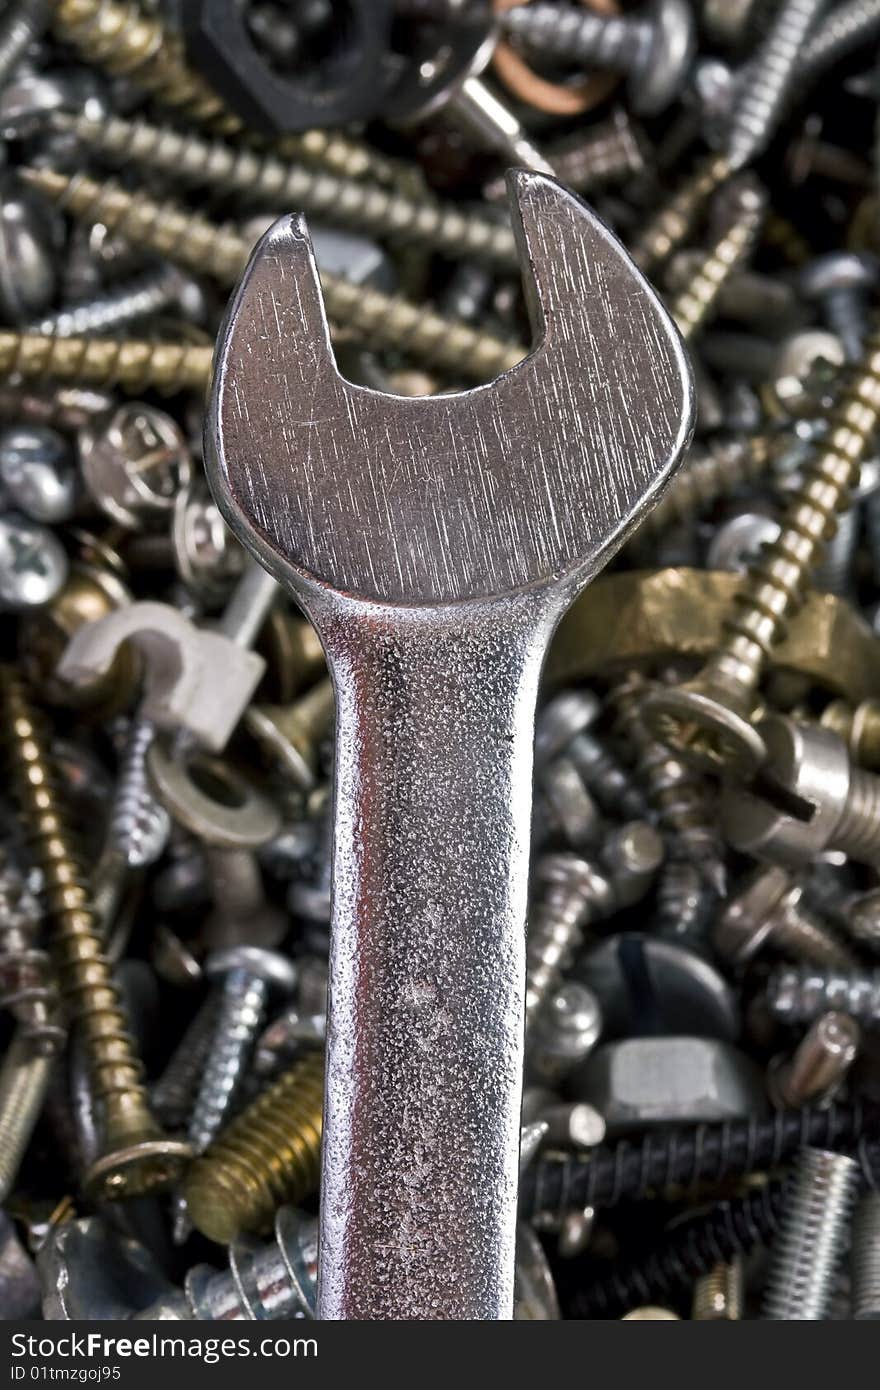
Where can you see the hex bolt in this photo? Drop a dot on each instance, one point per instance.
(139, 823)
(382, 320)
(770, 910)
(811, 1240)
(675, 794)
(161, 289)
(135, 1157)
(276, 1281)
(820, 1063)
(841, 283)
(799, 994)
(670, 226)
(267, 1157)
(771, 73)
(654, 47)
(692, 306)
(833, 804)
(720, 1294)
(389, 213)
(708, 720)
(865, 1259)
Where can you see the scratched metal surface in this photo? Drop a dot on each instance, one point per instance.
(437, 499)
(434, 543)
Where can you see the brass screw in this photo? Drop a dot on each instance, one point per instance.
(381, 319)
(127, 43)
(291, 733)
(859, 728)
(414, 219)
(132, 364)
(672, 223)
(718, 1295)
(267, 1157)
(708, 719)
(135, 1157)
(693, 305)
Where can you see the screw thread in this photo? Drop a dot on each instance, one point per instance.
(857, 833)
(673, 222)
(718, 1295)
(710, 474)
(685, 903)
(24, 1083)
(242, 1010)
(692, 306)
(139, 823)
(847, 27)
(811, 1237)
(603, 153)
(367, 207)
(799, 994)
(611, 42)
(131, 364)
(571, 892)
(22, 23)
(350, 158)
(771, 72)
(385, 321)
(28, 988)
(865, 1259)
(799, 933)
(172, 1095)
(84, 975)
(606, 778)
(124, 41)
(141, 298)
(268, 1156)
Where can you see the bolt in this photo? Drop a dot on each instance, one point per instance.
(865, 1259)
(139, 824)
(707, 720)
(719, 1295)
(770, 909)
(674, 220)
(769, 78)
(401, 218)
(859, 728)
(163, 288)
(127, 43)
(841, 283)
(268, 1156)
(799, 994)
(861, 920)
(692, 306)
(812, 1235)
(382, 320)
(274, 1281)
(820, 1063)
(562, 806)
(135, 1156)
(653, 48)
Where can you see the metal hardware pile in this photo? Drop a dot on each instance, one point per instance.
(700, 1125)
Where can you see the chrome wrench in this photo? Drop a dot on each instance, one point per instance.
(434, 543)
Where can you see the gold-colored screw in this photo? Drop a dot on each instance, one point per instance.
(384, 320)
(268, 1156)
(135, 1157)
(718, 1295)
(134, 365)
(673, 223)
(693, 305)
(290, 733)
(125, 42)
(708, 720)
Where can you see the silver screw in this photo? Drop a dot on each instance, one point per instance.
(820, 1062)
(36, 472)
(770, 908)
(24, 1084)
(812, 1236)
(173, 1094)
(564, 1033)
(654, 47)
(841, 283)
(767, 80)
(33, 563)
(798, 994)
(139, 824)
(156, 291)
(865, 1259)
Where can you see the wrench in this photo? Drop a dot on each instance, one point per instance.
(434, 543)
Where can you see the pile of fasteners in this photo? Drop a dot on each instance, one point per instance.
(700, 1125)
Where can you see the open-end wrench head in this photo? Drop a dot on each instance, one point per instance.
(529, 482)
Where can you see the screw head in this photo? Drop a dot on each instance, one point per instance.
(36, 472)
(151, 1165)
(657, 79)
(33, 563)
(705, 732)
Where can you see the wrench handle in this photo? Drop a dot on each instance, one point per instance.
(435, 723)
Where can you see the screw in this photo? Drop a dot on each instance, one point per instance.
(835, 573)
(653, 49)
(685, 904)
(862, 920)
(708, 475)
(563, 728)
(135, 366)
(291, 733)
(674, 793)
(127, 43)
(33, 564)
(799, 994)
(820, 1062)
(564, 1032)
(274, 1281)
(139, 824)
(162, 288)
(36, 472)
(136, 1157)
(859, 728)
(770, 908)
(173, 1094)
(865, 1259)
(381, 319)
(609, 151)
(27, 982)
(23, 22)
(693, 305)
(268, 1156)
(674, 220)
(62, 407)
(708, 719)
(812, 1235)
(24, 1084)
(841, 283)
(849, 25)
(391, 214)
(719, 1295)
(769, 77)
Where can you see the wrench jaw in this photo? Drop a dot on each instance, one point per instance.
(530, 482)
